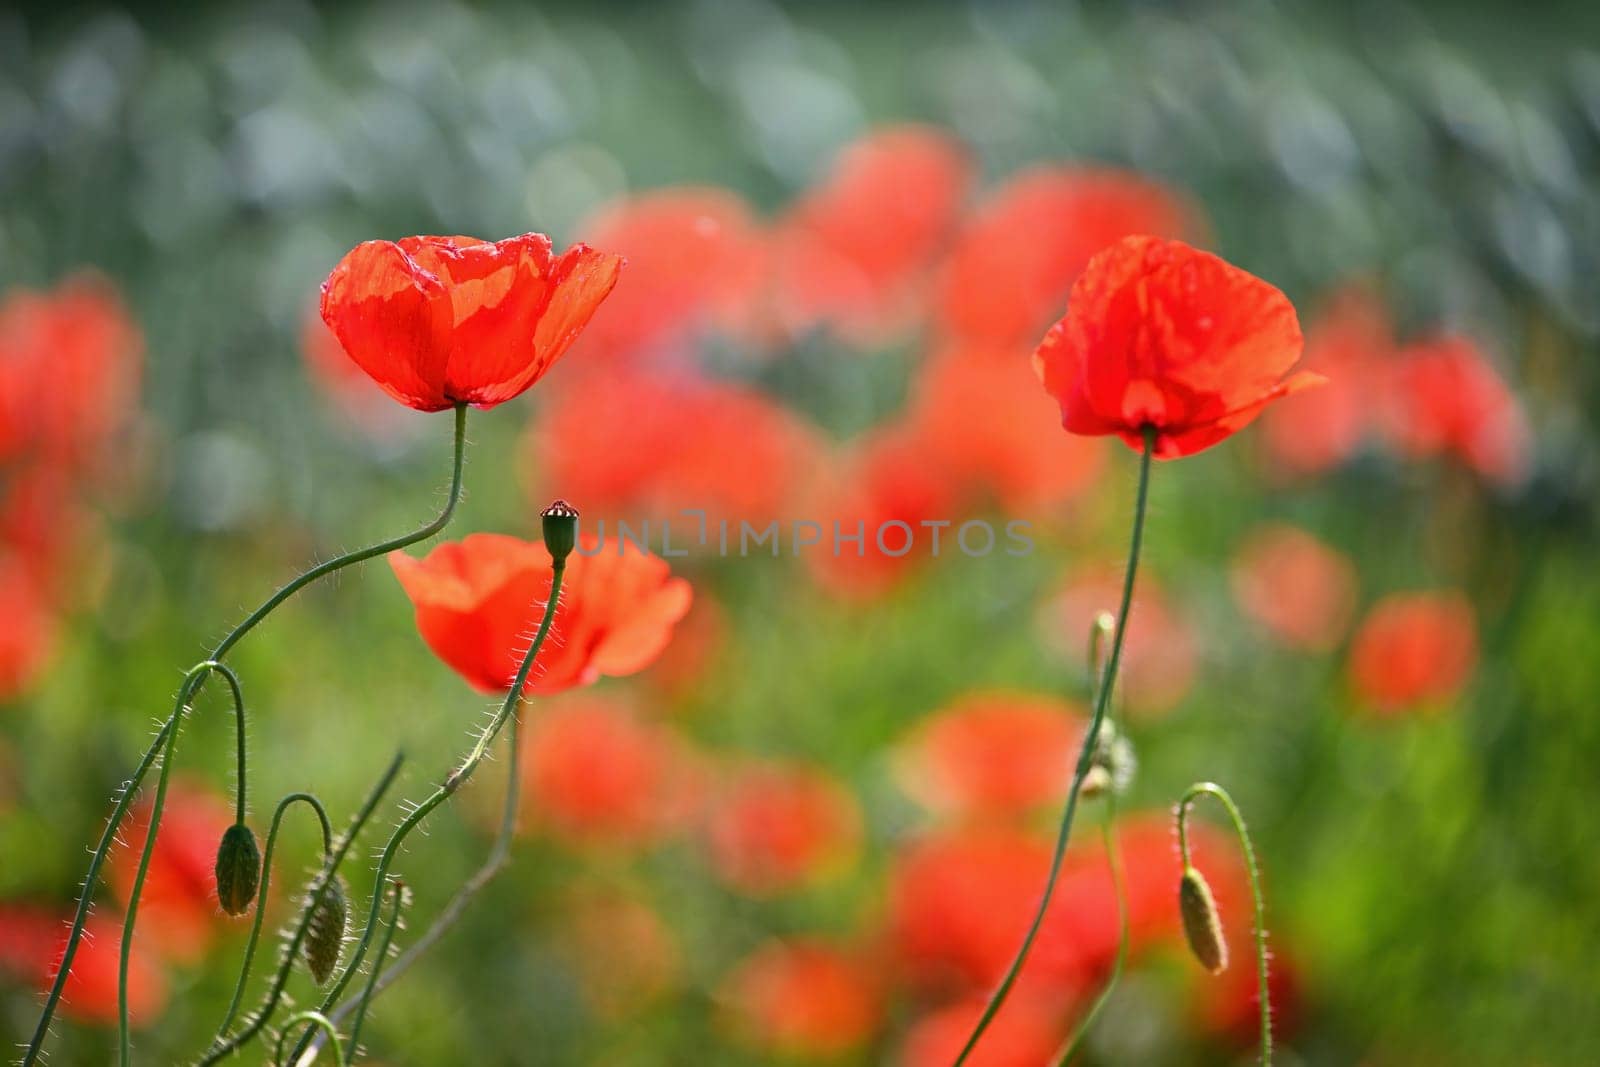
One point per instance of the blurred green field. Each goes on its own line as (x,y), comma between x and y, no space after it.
(1433,879)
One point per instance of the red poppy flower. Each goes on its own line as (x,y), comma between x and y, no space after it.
(873,504)
(1227,1006)
(982,419)
(803,998)
(1013,265)
(438,321)
(1160,334)
(993,754)
(1028,1032)
(1160,652)
(855,251)
(178,914)
(774,827)
(33,941)
(696,259)
(600,774)
(1448,399)
(347,386)
(625,955)
(1352,343)
(648,446)
(1414,649)
(478,600)
(69,370)
(1300,589)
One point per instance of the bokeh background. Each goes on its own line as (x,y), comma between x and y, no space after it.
(812,830)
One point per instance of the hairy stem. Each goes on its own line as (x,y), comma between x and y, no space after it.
(187,693)
(1212,789)
(1085,757)
(398,894)
(451,783)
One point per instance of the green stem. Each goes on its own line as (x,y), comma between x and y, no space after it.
(222,1048)
(499,853)
(453,781)
(261,895)
(1212,789)
(399,895)
(119,810)
(191,685)
(1085,757)
(318,1021)
(1114,860)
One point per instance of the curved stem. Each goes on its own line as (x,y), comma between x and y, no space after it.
(1212,789)
(451,783)
(318,1021)
(499,853)
(399,896)
(1085,757)
(120,809)
(1114,860)
(186,692)
(261,895)
(225,1047)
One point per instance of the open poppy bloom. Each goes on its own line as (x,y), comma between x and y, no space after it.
(1447,398)
(777,827)
(479,599)
(438,321)
(1159,334)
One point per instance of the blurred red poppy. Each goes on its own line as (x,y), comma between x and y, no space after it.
(1160,334)
(1160,651)
(1014,263)
(27,627)
(1352,344)
(69,370)
(479,599)
(438,321)
(983,420)
(599,774)
(1301,590)
(1028,1032)
(855,251)
(33,940)
(1227,1006)
(959,902)
(880,506)
(803,998)
(992,754)
(772,828)
(627,444)
(1447,398)
(1414,649)
(696,259)
(179,915)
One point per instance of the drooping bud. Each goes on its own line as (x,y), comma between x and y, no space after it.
(1201,923)
(560,530)
(325,933)
(238,869)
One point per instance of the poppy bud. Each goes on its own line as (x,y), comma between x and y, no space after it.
(238,869)
(325,933)
(1112,767)
(1201,923)
(560,530)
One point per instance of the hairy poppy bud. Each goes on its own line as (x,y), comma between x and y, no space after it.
(560,530)
(238,869)
(325,933)
(1201,923)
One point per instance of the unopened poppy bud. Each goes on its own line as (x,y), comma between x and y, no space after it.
(1201,923)
(238,869)
(560,530)
(1112,766)
(325,933)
